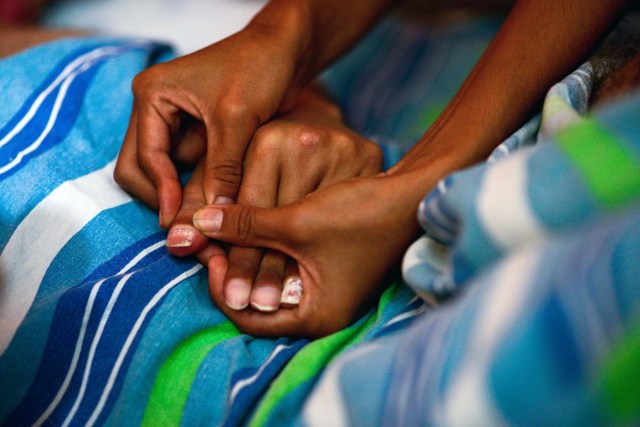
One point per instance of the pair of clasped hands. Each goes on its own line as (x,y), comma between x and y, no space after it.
(281,188)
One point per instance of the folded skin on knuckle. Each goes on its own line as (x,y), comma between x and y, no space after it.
(244,224)
(228,171)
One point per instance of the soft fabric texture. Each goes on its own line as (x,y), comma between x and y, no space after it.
(99,325)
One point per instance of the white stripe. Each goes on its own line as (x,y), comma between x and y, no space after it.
(94,346)
(503,206)
(500,308)
(141,255)
(248,381)
(134,331)
(87,57)
(85,320)
(76,355)
(50,123)
(42,234)
(409,314)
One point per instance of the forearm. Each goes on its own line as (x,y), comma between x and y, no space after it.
(318,31)
(539,43)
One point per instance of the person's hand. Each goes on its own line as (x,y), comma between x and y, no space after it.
(231,87)
(289,157)
(344,238)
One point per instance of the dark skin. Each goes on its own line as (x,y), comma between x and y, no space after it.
(345,236)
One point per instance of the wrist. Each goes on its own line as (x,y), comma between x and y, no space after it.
(288,24)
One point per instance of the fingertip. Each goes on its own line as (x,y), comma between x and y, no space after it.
(169,200)
(237,293)
(266,298)
(184,239)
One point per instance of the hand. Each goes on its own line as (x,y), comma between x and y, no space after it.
(288,158)
(344,238)
(231,87)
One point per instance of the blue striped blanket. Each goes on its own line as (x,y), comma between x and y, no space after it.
(99,325)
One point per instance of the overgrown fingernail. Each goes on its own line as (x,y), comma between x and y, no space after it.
(208,220)
(292,292)
(181,236)
(222,200)
(266,298)
(237,294)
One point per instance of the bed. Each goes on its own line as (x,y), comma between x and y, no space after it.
(520,305)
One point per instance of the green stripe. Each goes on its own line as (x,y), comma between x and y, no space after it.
(610,168)
(313,358)
(621,380)
(175,378)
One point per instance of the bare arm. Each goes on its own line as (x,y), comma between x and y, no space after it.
(539,43)
(347,236)
(320,30)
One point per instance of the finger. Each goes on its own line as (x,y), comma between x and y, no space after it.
(259,187)
(238,283)
(253,322)
(192,146)
(267,289)
(293,288)
(127,172)
(211,250)
(183,238)
(226,147)
(275,228)
(374,159)
(155,128)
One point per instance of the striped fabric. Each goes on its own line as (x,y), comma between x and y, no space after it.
(536,256)
(100,326)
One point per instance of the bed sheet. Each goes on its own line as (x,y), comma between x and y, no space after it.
(99,325)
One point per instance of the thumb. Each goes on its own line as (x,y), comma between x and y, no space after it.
(249,226)
(224,161)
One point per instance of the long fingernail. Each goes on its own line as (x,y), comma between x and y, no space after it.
(181,236)
(266,298)
(292,291)
(237,294)
(222,200)
(208,220)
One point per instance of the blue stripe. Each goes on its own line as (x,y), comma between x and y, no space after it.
(247,397)
(153,272)
(66,117)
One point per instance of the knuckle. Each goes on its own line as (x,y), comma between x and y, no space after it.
(244,224)
(122,175)
(374,156)
(234,109)
(152,83)
(309,136)
(228,171)
(298,225)
(267,139)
